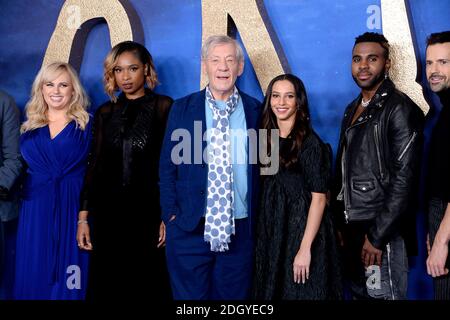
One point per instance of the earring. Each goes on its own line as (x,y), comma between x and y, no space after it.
(386,76)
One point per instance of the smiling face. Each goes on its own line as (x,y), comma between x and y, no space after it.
(283,100)
(438,66)
(222,67)
(129,74)
(369,65)
(58,92)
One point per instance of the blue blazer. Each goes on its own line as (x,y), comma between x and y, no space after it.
(10,159)
(183,187)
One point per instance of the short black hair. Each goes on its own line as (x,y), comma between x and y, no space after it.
(438,37)
(374,37)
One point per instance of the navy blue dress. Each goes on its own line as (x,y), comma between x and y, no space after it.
(49,264)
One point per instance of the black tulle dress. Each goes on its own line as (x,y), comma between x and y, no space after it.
(285,201)
(121,194)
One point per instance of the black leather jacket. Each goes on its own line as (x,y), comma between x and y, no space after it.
(381,165)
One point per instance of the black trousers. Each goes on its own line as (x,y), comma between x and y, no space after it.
(436,211)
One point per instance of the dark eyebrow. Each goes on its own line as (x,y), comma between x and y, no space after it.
(289,92)
(369,55)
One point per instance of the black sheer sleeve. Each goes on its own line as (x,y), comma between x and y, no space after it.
(86,197)
(163,105)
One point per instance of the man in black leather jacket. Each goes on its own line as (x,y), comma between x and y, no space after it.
(377,170)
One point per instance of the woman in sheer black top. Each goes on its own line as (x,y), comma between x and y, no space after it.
(120,193)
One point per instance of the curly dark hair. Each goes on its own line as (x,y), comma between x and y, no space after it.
(374,37)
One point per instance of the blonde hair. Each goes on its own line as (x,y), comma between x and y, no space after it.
(37,108)
(110,63)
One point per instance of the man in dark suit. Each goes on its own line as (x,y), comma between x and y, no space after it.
(10,165)
(438,186)
(208,181)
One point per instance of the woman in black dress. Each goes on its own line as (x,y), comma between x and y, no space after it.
(120,193)
(296,252)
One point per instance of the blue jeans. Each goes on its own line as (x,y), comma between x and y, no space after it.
(390,282)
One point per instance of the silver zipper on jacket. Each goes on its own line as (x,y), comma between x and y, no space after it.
(346,216)
(342,194)
(411,140)
(343,165)
(377,146)
(391,285)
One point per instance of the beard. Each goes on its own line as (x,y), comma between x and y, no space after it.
(371,83)
(441,86)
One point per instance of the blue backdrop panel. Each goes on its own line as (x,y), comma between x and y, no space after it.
(316,35)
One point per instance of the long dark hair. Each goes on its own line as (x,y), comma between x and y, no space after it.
(302,125)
